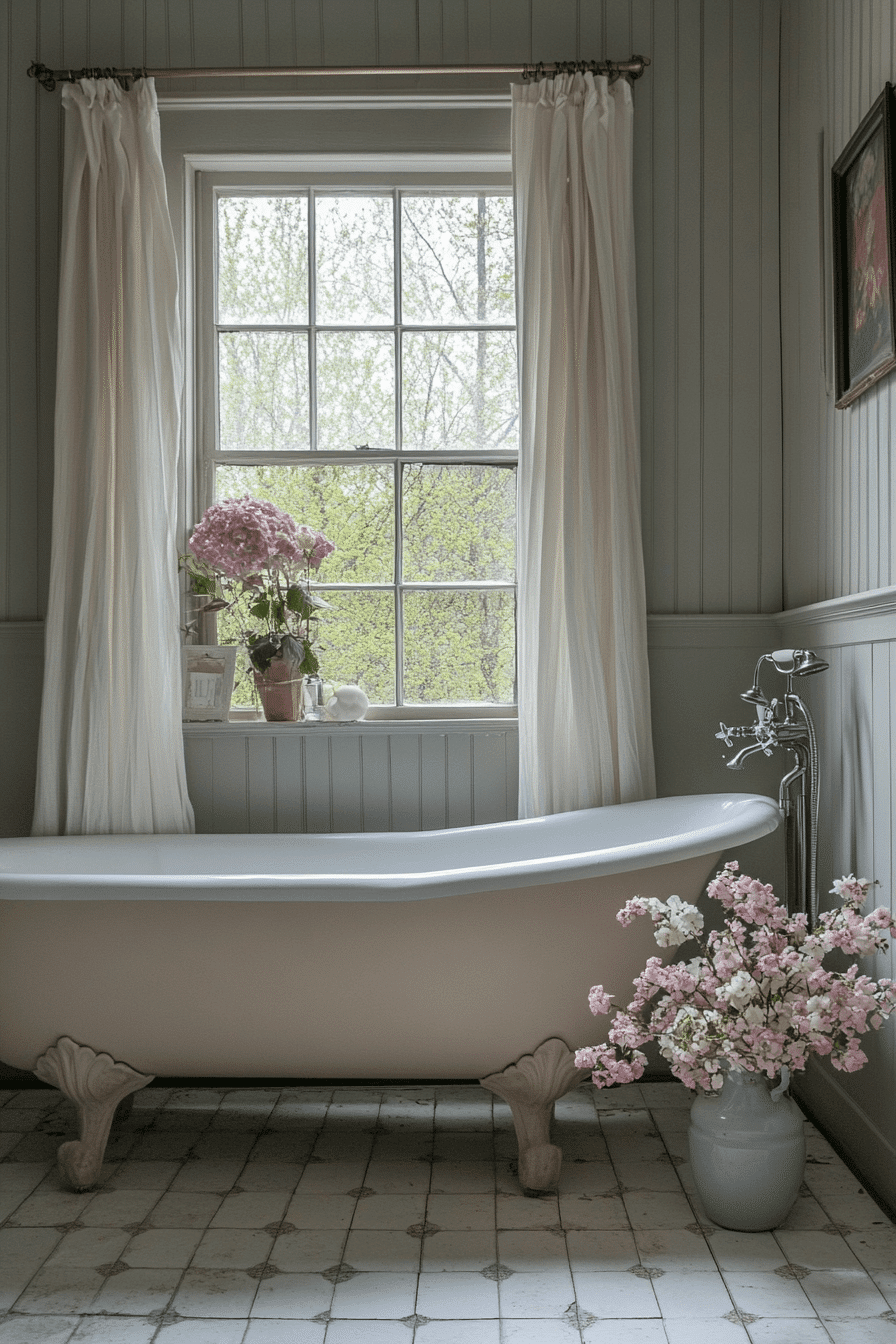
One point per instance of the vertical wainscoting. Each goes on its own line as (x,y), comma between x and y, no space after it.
(854,706)
(270,778)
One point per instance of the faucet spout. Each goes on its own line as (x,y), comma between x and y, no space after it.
(737,761)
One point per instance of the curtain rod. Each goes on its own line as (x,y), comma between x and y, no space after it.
(48,79)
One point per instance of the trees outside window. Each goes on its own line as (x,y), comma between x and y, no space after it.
(362,350)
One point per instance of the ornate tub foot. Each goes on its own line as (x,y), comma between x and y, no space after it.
(530,1087)
(96,1084)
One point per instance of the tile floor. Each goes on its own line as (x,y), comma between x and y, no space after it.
(367,1216)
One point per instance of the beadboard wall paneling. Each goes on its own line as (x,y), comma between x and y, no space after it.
(706,165)
(840,471)
(267,778)
(854,707)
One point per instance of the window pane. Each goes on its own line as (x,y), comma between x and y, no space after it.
(355,390)
(458,646)
(263,390)
(263,259)
(459,391)
(357,643)
(458,523)
(352,505)
(457,259)
(355,259)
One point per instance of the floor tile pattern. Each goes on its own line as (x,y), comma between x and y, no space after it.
(368,1215)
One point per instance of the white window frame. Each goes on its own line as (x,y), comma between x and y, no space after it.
(208,177)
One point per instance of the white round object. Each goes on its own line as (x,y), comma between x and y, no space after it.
(348,704)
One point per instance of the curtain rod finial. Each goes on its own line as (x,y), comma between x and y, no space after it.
(43,74)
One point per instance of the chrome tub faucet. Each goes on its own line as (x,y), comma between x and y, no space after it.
(784,723)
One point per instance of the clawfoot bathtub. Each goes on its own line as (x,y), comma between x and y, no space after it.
(442,954)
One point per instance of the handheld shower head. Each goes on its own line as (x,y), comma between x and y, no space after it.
(797,662)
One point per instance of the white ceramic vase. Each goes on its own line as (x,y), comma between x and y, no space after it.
(748,1153)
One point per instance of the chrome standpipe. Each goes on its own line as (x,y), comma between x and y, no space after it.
(785,724)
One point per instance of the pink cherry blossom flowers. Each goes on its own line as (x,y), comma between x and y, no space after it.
(757,997)
(249,556)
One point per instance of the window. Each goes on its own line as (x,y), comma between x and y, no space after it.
(359,353)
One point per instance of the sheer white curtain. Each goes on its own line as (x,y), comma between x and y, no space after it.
(584,697)
(111,754)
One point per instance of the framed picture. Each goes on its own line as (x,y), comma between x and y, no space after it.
(864,201)
(208,672)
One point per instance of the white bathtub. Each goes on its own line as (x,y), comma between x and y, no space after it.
(442,954)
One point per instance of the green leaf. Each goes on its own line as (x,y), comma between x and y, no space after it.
(260,608)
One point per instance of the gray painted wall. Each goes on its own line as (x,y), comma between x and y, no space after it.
(840,510)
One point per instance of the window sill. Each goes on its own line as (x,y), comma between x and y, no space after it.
(465,723)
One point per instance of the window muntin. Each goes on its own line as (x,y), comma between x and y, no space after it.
(368,386)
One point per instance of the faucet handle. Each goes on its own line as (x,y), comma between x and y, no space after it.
(725,735)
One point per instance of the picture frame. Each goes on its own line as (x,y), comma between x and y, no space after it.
(208,675)
(863,192)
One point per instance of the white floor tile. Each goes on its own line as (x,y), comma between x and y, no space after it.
(765,1294)
(587,1178)
(320,1211)
(59,1292)
(652,1211)
(137,1292)
(285,1332)
(602,1213)
(90,1246)
(375,1296)
(674,1249)
(625,1332)
(549,1293)
(808,1330)
(37,1330)
(209,1177)
(518,1211)
(162,1248)
(255,1209)
(331,1178)
(232,1248)
(293,1297)
(816,1250)
(447,1251)
(860,1330)
(472,1332)
(844,1292)
(389,1213)
(533,1332)
(612,1295)
(463,1178)
(116,1208)
(383,1251)
(397,1178)
(185,1210)
(460,1213)
(745,1250)
(692,1295)
(457,1296)
(308,1251)
(594,1250)
(874,1247)
(532,1251)
(215,1292)
(707,1332)
(368,1332)
(886,1282)
(202,1332)
(115,1330)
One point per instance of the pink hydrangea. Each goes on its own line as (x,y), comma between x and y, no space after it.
(239,537)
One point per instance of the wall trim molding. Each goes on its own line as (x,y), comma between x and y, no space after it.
(874,602)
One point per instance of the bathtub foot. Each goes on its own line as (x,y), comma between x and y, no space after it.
(96,1084)
(530,1087)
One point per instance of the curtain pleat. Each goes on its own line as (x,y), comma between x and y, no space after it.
(111,752)
(584,697)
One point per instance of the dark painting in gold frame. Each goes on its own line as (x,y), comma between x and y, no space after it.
(864,201)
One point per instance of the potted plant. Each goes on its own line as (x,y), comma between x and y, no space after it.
(750,1007)
(251,557)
